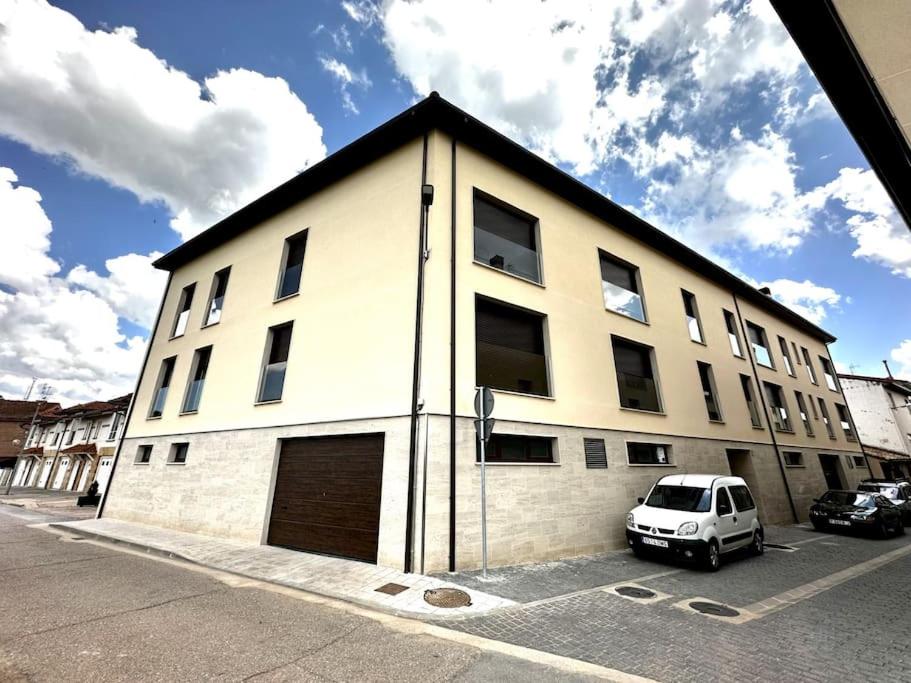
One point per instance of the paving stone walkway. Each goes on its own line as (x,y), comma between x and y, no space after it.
(330,576)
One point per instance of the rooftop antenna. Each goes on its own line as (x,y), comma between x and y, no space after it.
(28,394)
(888,371)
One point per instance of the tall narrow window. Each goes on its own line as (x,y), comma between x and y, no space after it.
(115,423)
(828,373)
(509,343)
(825,418)
(272,380)
(217,297)
(786,357)
(161,387)
(747,384)
(621,287)
(196,379)
(796,355)
(811,373)
(635,375)
(731,324)
(845,421)
(290,280)
(505,238)
(694,326)
(760,345)
(183,310)
(804,416)
(777,406)
(707,379)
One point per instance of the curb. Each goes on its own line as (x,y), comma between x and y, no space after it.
(170,555)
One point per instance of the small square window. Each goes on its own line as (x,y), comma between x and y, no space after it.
(143,455)
(178,454)
(793,459)
(859,461)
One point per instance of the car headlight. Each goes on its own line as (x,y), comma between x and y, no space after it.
(687,528)
(862,516)
(630,520)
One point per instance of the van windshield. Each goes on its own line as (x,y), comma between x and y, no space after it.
(686,498)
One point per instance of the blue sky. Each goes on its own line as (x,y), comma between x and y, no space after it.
(128,127)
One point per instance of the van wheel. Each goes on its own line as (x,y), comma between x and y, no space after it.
(757,547)
(713,557)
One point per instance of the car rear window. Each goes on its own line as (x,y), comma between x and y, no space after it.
(849,498)
(742,498)
(686,498)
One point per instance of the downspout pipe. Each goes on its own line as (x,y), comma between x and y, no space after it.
(142,372)
(765,410)
(416,372)
(452,364)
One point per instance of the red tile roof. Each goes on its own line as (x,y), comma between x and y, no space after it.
(18,411)
(35,450)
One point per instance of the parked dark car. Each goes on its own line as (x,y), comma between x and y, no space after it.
(896,490)
(857,510)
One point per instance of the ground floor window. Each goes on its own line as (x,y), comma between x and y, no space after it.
(648,453)
(143,455)
(859,461)
(793,459)
(517,448)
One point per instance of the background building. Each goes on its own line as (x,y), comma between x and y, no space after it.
(882,409)
(311,375)
(69,448)
(15,417)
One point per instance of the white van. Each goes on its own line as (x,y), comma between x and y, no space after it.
(695,517)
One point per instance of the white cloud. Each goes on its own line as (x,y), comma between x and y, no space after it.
(133,289)
(744,193)
(364,12)
(806,298)
(65,330)
(902,355)
(345,78)
(881,234)
(24,234)
(114,110)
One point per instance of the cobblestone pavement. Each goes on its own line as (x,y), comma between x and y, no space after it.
(856,629)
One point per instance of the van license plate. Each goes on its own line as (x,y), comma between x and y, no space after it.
(839,522)
(654,541)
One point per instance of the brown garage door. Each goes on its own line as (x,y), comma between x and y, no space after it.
(327,495)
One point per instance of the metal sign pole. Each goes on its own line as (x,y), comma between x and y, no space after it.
(483,496)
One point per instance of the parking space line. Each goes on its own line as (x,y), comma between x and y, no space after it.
(811,540)
(776,603)
(596,589)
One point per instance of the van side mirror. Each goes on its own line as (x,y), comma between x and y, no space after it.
(640,500)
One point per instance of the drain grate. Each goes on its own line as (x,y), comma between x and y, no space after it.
(634,592)
(776,546)
(447,597)
(714,609)
(392,588)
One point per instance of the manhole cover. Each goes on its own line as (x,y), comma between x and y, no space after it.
(392,588)
(633,592)
(714,609)
(447,597)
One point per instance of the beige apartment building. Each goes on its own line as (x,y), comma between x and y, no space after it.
(311,376)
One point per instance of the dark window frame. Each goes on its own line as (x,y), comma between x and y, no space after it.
(541,338)
(493,451)
(635,279)
(178,453)
(219,281)
(653,368)
(709,393)
(143,454)
(267,362)
(786,360)
(776,391)
(791,461)
(184,305)
(191,378)
(652,449)
(730,324)
(283,266)
(534,224)
(749,397)
(689,301)
(764,338)
(163,381)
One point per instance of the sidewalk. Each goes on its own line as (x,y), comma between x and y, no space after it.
(330,576)
(49,501)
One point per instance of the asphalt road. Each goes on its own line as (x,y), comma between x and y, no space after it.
(76,610)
